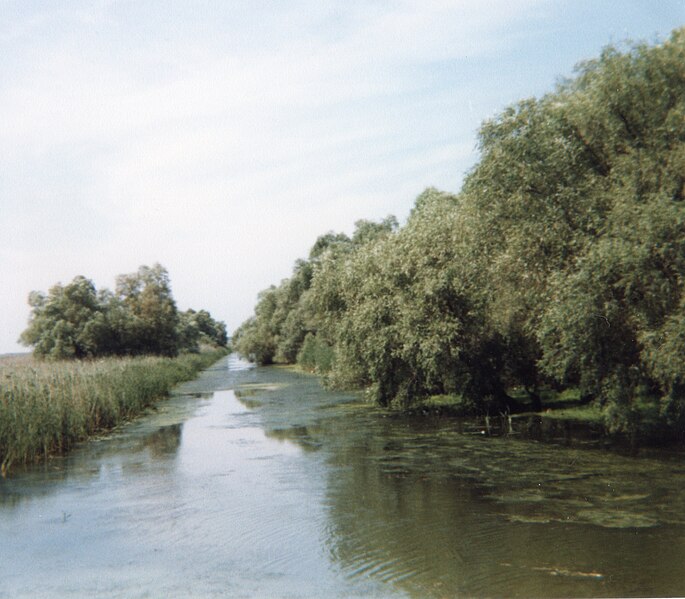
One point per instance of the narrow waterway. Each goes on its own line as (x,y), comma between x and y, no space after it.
(255,482)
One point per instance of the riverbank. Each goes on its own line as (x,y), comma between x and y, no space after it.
(47,407)
(564,418)
(259,482)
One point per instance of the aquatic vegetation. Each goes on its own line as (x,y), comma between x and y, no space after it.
(617,519)
(589,413)
(422,502)
(46,407)
(453,404)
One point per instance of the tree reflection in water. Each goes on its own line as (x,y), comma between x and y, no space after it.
(435,509)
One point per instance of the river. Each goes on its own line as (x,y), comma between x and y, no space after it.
(255,482)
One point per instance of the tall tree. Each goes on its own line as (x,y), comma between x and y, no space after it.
(68,322)
(153,326)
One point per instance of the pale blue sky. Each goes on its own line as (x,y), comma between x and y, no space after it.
(221,138)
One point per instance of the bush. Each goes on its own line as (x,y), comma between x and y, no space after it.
(315,355)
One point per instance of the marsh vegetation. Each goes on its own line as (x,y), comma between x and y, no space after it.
(47,407)
(99,358)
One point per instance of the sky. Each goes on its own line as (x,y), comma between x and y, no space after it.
(221,138)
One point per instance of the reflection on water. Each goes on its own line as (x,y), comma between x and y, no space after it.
(431,509)
(440,514)
(193,500)
(166,440)
(254,482)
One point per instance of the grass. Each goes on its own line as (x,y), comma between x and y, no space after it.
(452,404)
(565,405)
(46,407)
(588,413)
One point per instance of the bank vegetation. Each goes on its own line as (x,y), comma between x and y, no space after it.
(140,317)
(100,357)
(48,406)
(557,270)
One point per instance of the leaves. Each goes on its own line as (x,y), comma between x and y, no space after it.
(77,321)
(561,262)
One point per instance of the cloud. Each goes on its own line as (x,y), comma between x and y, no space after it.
(219,142)
(221,139)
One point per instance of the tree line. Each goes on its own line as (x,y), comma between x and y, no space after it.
(560,264)
(139,317)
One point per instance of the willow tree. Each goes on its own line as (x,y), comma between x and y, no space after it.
(561,262)
(68,322)
(578,197)
(615,333)
(153,317)
(284,315)
(140,317)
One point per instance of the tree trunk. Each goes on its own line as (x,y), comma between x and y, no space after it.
(536,400)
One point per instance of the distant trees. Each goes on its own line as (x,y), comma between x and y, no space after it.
(68,322)
(560,263)
(285,315)
(152,323)
(139,317)
(199,328)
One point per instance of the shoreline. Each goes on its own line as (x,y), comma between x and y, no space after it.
(554,426)
(48,407)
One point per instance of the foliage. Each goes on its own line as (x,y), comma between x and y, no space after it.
(152,315)
(614,312)
(315,354)
(68,322)
(197,329)
(561,263)
(454,405)
(140,317)
(285,315)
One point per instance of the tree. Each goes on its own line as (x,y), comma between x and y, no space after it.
(196,328)
(77,321)
(560,263)
(256,337)
(67,323)
(153,325)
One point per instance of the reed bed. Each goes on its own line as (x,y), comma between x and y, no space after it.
(46,407)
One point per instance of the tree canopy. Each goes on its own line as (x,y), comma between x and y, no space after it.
(139,317)
(560,263)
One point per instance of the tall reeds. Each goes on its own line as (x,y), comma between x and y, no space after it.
(46,407)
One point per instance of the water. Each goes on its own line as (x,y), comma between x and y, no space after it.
(254,482)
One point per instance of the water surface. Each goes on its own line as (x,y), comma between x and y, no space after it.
(254,482)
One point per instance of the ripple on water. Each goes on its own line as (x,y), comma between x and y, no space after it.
(292,491)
